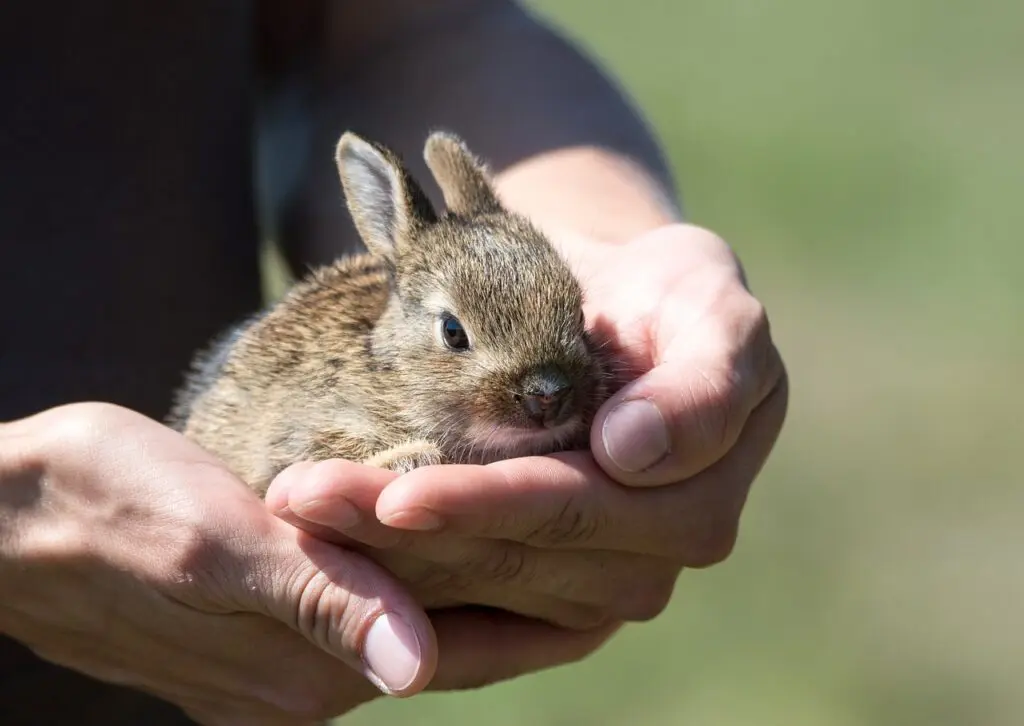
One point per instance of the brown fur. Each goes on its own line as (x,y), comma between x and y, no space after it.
(351,362)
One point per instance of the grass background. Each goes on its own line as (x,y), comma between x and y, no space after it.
(865,159)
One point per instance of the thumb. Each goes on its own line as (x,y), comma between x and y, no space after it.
(688,412)
(345,604)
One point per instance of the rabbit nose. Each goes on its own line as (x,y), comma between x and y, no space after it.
(541,407)
(545,400)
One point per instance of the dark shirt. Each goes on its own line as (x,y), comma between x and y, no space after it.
(128,237)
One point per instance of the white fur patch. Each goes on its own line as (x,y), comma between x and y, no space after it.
(492,442)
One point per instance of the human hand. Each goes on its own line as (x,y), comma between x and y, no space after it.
(564,538)
(131,555)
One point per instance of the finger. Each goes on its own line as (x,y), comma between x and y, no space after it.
(220,672)
(572,588)
(277,503)
(436,587)
(566,501)
(688,412)
(345,604)
(514,645)
(521,579)
(232,715)
(333,500)
(217,713)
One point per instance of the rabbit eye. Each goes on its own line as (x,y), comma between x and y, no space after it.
(453,333)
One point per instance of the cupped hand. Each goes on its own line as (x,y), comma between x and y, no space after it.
(575,538)
(705,378)
(129,554)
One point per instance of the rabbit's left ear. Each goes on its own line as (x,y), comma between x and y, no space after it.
(463,178)
(386,203)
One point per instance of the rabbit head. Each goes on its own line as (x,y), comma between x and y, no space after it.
(484,331)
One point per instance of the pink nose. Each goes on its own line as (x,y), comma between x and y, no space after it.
(542,407)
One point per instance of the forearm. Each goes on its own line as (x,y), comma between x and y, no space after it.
(586,195)
(567,147)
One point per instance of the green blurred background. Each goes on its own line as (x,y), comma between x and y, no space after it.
(865,158)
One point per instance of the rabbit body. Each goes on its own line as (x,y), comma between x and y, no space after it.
(457,338)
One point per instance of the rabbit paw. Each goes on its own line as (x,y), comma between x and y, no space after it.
(406,457)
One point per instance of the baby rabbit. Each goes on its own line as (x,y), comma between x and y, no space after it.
(459,338)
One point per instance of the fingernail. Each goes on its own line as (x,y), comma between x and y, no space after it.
(635,435)
(419,519)
(337,512)
(392,653)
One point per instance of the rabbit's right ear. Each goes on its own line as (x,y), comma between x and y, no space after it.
(386,203)
(463,178)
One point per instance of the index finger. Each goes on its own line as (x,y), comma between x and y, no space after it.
(567,501)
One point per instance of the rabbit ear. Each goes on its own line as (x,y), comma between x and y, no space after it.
(386,203)
(463,179)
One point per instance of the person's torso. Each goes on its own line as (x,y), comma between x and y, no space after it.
(127,228)
(127,236)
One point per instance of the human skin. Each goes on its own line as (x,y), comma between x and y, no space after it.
(584,540)
(130,554)
(576,539)
(209,590)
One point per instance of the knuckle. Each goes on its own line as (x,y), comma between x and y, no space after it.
(570,525)
(723,394)
(313,708)
(712,544)
(757,313)
(437,587)
(508,564)
(81,429)
(315,610)
(766,361)
(302,699)
(334,602)
(584,617)
(648,600)
(55,546)
(195,556)
(310,704)
(719,398)
(484,675)
(78,425)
